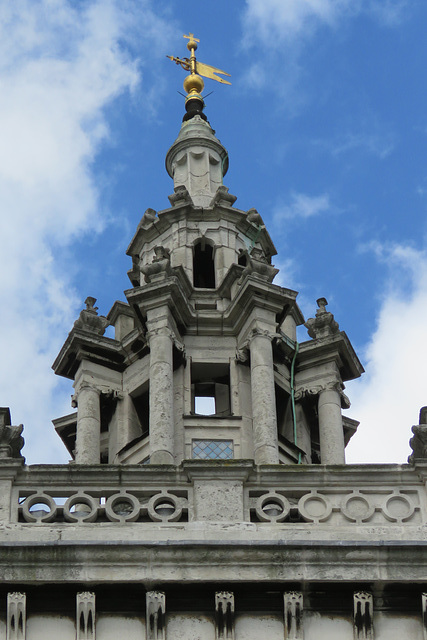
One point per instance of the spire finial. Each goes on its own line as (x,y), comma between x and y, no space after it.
(193,84)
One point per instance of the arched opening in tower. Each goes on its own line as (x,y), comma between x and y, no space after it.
(203,266)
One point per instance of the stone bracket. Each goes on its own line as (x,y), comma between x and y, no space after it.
(16,616)
(224,615)
(363,615)
(85,615)
(155,618)
(293,608)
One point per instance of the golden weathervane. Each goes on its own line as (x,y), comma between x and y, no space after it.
(193,84)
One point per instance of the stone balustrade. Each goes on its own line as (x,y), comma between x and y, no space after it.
(368,500)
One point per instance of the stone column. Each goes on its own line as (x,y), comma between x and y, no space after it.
(88,436)
(331,433)
(266,450)
(161,396)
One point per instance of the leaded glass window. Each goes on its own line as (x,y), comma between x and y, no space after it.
(213,449)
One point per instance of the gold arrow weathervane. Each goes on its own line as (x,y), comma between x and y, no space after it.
(193,84)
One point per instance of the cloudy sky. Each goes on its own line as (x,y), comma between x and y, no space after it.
(326,127)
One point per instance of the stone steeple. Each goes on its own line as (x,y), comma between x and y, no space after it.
(205,362)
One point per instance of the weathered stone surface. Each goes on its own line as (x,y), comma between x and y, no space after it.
(89,320)
(418,442)
(11,440)
(324,324)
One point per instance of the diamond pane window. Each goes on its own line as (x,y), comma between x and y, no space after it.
(213,449)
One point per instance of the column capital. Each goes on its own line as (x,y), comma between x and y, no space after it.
(257,332)
(167,333)
(313,390)
(159,331)
(84,386)
(242,351)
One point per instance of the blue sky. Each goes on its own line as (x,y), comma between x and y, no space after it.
(326,128)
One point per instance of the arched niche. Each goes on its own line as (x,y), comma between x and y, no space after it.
(204,264)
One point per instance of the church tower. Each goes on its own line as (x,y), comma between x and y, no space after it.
(207,496)
(205,362)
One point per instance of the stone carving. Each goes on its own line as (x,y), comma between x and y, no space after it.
(323,325)
(312,391)
(222,197)
(224,615)
(254,217)
(155,618)
(160,266)
(257,264)
(16,616)
(134,273)
(180,196)
(293,608)
(89,320)
(263,333)
(149,216)
(363,616)
(418,442)
(85,615)
(11,440)
(165,331)
(242,354)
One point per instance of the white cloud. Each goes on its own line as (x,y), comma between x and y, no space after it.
(302,206)
(375,144)
(388,397)
(289,21)
(61,64)
(280,29)
(275,21)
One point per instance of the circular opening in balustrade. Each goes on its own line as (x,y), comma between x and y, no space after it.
(80,509)
(122,507)
(165,508)
(39,509)
(272,509)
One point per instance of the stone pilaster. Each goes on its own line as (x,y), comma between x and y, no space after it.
(161,396)
(263,398)
(88,436)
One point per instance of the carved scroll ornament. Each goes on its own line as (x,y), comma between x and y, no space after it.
(311,391)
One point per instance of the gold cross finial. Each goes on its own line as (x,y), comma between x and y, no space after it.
(193,84)
(191,37)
